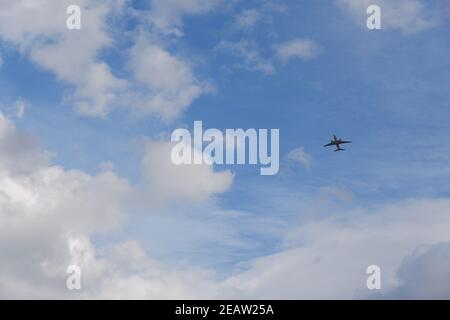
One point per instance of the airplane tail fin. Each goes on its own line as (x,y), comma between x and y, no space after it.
(340,149)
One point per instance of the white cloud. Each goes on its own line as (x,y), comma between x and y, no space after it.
(136,276)
(20,153)
(49,215)
(304,49)
(43,208)
(328,258)
(299,156)
(181,182)
(407,16)
(170,83)
(39,30)
(425,274)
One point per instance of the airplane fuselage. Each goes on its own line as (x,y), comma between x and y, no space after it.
(337,142)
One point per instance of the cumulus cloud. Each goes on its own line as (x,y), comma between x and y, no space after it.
(20,152)
(170,83)
(304,49)
(407,16)
(128,273)
(299,155)
(39,31)
(43,209)
(49,214)
(328,258)
(425,274)
(168,181)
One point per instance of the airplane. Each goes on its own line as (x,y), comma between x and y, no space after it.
(337,142)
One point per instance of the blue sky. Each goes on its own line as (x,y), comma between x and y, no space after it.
(386,90)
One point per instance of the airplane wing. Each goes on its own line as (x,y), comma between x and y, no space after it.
(345,142)
(330,144)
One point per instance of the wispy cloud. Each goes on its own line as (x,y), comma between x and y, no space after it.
(253,59)
(299,156)
(250,18)
(248,51)
(304,49)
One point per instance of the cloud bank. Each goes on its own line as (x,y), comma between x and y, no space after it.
(49,215)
